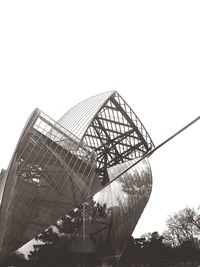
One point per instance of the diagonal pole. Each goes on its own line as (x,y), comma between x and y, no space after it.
(147,155)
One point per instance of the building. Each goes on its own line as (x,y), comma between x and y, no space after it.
(90,167)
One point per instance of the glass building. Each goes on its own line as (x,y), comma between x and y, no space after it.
(89,169)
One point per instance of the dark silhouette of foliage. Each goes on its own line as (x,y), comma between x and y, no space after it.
(151,248)
(17,259)
(57,238)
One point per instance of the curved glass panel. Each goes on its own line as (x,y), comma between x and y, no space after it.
(50,173)
(2,183)
(103,224)
(79,117)
(109,126)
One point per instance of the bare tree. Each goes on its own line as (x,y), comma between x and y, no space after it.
(183,226)
(193,217)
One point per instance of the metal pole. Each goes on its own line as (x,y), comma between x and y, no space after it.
(146,155)
(83,258)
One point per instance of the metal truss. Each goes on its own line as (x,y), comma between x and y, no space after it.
(117,135)
(57,165)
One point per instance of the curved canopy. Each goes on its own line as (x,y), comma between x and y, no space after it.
(57,165)
(78,118)
(51,171)
(109,126)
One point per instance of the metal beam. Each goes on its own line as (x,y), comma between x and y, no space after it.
(118,106)
(115,122)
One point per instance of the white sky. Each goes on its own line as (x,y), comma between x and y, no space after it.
(54,54)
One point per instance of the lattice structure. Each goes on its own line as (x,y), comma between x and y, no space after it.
(51,172)
(110,215)
(113,131)
(57,165)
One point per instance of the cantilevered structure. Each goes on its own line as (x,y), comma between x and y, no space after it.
(69,168)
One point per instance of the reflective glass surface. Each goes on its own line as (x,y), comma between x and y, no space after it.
(51,172)
(2,183)
(104,223)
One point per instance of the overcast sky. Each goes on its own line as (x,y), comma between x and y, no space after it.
(54,54)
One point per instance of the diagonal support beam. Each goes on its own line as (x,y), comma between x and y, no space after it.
(119,108)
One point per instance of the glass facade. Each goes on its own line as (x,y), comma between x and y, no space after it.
(78,169)
(104,223)
(51,172)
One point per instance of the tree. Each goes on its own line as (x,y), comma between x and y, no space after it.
(193,216)
(153,240)
(183,227)
(56,247)
(148,249)
(16,259)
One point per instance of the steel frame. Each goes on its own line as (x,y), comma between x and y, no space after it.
(116,135)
